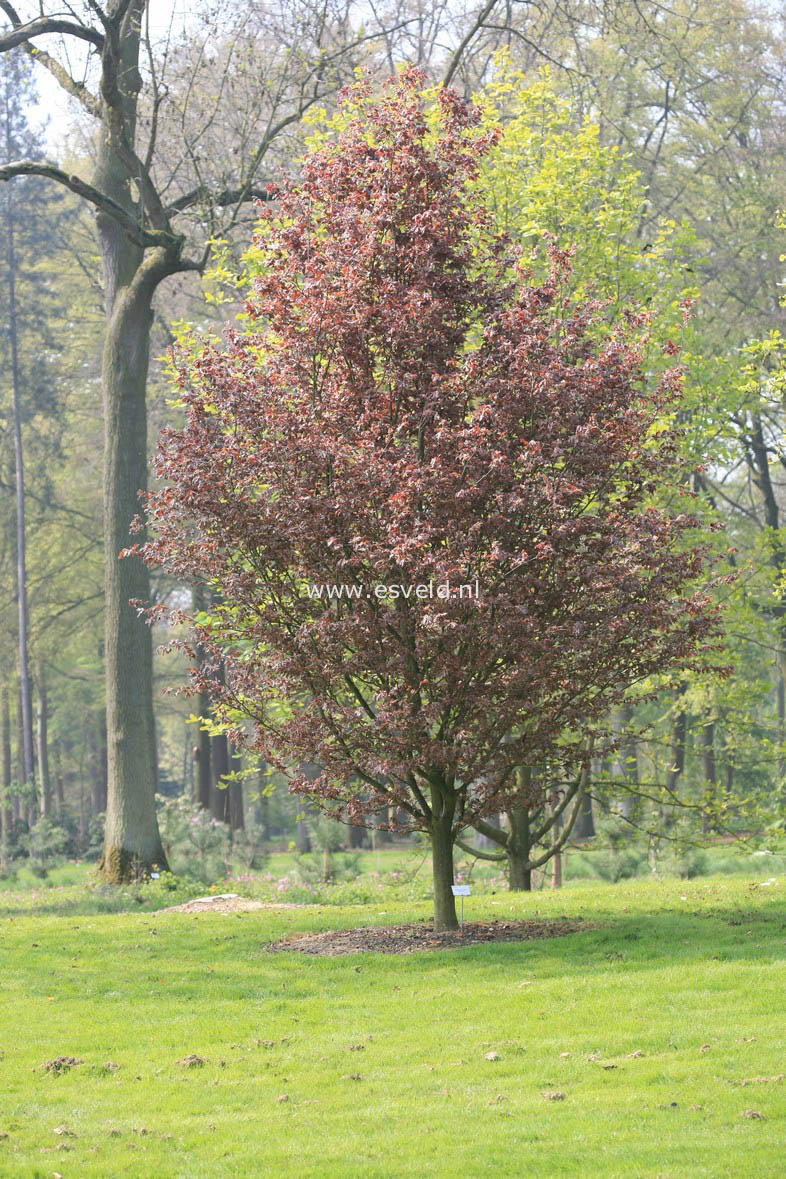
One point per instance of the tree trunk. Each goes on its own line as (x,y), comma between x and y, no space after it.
(43,747)
(585,824)
(132,843)
(59,792)
(219,799)
(26,758)
(202,748)
(20,801)
(236,817)
(710,769)
(302,837)
(262,808)
(6,809)
(518,851)
(781,698)
(442,862)
(98,797)
(556,859)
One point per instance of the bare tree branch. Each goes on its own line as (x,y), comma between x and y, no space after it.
(77,90)
(222,197)
(105,204)
(458,53)
(43,26)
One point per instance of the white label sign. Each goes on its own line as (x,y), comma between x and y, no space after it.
(460,890)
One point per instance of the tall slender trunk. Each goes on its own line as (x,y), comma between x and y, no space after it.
(96,769)
(43,745)
(262,809)
(442,810)
(556,859)
(236,818)
(302,837)
(202,747)
(220,761)
(26,759)
(59,792)
(781,698)
(6,809)
(710,769)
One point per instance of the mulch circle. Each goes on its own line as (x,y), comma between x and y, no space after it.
(412,939)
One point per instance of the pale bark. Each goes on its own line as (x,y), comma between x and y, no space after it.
(43,746)
(26,759)
(6,809)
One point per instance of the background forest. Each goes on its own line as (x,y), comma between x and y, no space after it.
(649,141)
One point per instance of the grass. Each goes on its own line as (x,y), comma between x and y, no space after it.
(687,974)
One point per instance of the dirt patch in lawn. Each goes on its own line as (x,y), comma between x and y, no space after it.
(412,939)
(228,902)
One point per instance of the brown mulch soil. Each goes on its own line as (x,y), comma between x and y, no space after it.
(411,939)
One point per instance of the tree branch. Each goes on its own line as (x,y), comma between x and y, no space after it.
(224,196)
(105,204)
(42,26)
(497,857)
(495,834)
(455,60)
(77,90)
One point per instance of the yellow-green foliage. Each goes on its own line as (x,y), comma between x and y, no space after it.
(550,175)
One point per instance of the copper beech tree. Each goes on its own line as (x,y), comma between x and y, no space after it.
(400,414)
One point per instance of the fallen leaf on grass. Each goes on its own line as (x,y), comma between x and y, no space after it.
(192,1061)
(283,1097)
(491,1056)
(763,1080)
(63,1131)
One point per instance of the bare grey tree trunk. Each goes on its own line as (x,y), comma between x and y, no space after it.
(43,745)
(27,766)
(6,810)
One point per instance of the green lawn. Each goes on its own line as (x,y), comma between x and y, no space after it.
(662,1026)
